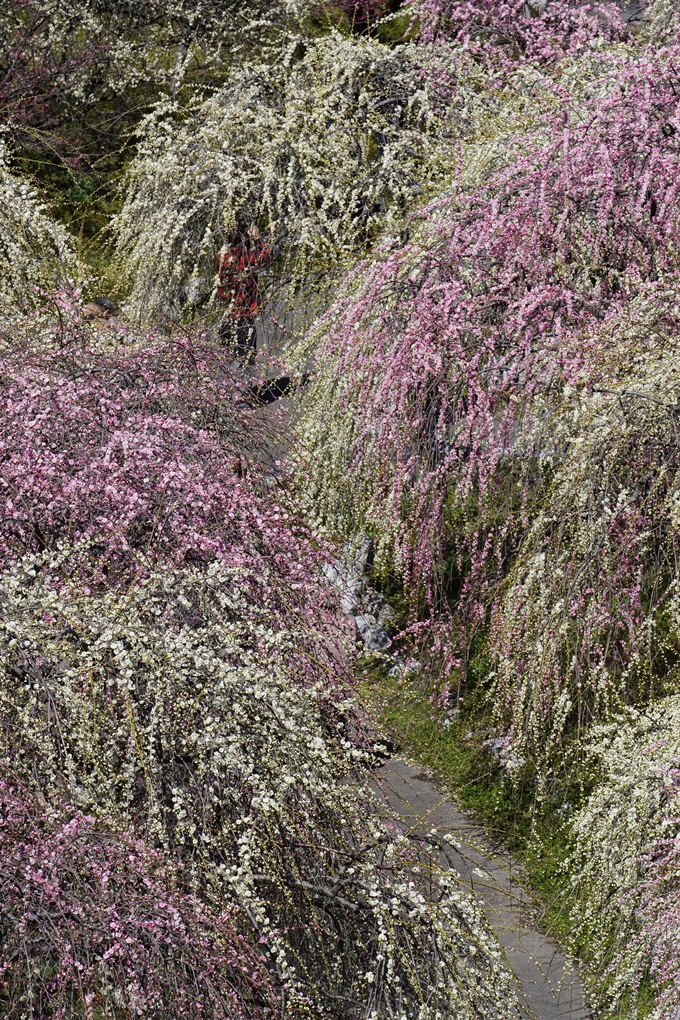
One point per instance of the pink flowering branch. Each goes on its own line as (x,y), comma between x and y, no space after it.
(505,34)
(96,922)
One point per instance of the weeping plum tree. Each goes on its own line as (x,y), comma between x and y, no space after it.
(588,621)
(625,861)
(78,76)
(61,64)
(443,356)
(37,256)
(173,704)
(325,148)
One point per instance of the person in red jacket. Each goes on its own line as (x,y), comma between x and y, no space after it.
(238,288)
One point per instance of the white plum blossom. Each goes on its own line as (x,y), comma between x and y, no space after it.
(37,255)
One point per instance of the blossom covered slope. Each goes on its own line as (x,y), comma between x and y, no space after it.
(186,823)
(496,402)
(443,362)
(174,707)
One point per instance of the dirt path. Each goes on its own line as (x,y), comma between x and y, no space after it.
(548,984)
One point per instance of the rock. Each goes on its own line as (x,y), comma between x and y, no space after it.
(357,554)
(451,718)
(400,668)
(387,616)
(369,609)
(330,573)
(374,637)
(348,603)
(365,623)
(377,640)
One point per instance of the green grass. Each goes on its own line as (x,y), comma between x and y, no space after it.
(534,830)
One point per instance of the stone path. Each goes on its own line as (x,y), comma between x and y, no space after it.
(548,984)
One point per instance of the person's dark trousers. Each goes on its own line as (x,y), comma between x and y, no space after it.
(241,336)
(270,391)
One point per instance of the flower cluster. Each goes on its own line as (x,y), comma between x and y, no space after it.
(148,447)
(505,34)
(625,864)
(37,256)
(96,922)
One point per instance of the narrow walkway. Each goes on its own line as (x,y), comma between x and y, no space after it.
(548,984)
